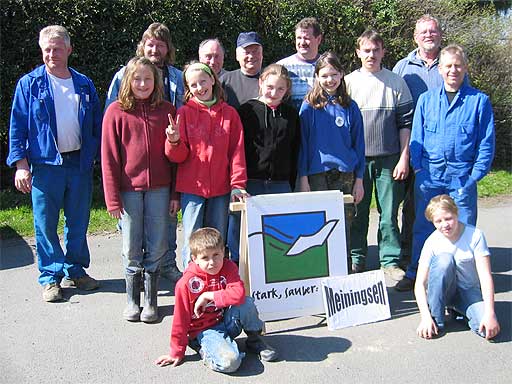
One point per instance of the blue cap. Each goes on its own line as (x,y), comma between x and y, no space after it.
(247,38)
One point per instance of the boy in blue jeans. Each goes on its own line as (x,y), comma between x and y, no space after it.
(211,309)
(455,265)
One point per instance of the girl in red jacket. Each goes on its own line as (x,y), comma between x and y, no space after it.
(206,141)
(137,180)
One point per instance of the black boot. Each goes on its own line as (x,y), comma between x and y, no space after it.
(132,309)
(150,312)
(257,345)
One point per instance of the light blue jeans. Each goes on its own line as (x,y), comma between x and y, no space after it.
(425,188)
(169,259)
(444,291)
(254,188)
(218,346)
(56,187)
(199,212)
(145,224)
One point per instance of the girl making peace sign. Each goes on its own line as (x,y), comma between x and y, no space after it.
(207,142)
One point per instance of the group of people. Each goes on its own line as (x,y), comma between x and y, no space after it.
(198,139)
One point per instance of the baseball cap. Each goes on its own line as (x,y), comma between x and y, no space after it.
(247,38)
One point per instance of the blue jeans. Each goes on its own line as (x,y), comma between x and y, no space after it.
(55,187)
(199,212)
(425,188)
(218,347)
(254,188)
(169,259)
(145,222)
(443,291)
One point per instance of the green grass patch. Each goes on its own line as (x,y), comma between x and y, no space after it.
(495,183)
(16,208)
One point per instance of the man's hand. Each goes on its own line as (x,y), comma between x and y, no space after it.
(23,180)
(173,130)
(164,360)
(23,176)
(401,170)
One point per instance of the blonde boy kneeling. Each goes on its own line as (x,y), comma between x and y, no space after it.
(211,309)
(455,265)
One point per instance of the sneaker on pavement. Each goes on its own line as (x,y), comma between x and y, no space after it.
(84,283)
(394,271)
(405,285)
(257,345)
(52,292)
(172,273)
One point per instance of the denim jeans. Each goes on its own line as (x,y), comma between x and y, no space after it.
(254,188)
(55,187)
(145,222)
(199,212)
(425,188)
(218,347)
(378,172)
(169,259)
(443,291)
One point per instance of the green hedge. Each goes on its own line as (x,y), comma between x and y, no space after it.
(105,34)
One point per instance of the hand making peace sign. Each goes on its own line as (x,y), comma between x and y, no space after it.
(173,129)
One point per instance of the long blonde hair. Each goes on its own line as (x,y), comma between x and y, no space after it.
(126,98)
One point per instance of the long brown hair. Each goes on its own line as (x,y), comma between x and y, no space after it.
(126,98)
(316,96)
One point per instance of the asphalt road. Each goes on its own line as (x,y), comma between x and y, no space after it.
(84,339)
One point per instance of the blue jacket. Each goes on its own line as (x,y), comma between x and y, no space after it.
(176,89)
(454,143)
(418,76)
(33,130)
(331,138)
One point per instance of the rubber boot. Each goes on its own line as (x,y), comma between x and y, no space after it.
(132,309)
(150,312)
(257,345)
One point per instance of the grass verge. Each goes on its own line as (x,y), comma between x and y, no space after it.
(16,208)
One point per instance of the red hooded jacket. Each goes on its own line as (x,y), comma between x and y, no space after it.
(210,154)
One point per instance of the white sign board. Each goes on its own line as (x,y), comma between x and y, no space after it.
(356,299)
(295,240)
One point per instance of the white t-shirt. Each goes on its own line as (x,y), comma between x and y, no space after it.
(66,111)
(470,245)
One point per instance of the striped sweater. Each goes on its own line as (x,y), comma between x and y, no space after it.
(386,105)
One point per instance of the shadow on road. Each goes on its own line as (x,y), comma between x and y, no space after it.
(15,252)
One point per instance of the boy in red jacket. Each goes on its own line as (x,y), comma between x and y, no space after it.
(211,309)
